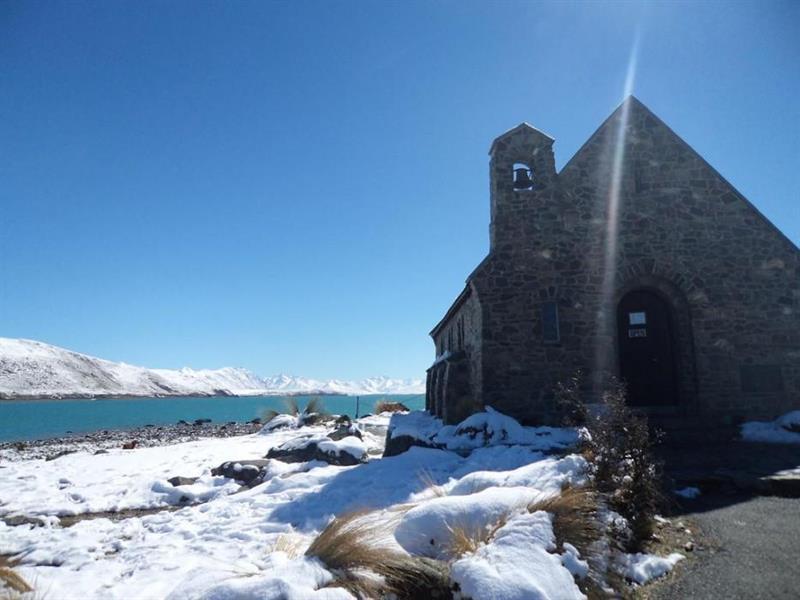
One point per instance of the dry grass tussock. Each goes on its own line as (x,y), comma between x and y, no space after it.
(288,544)
(354,547)
(12,585)
(574,517)
(384,405)
(466,540)
(429,483)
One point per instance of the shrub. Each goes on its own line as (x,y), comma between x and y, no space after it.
(623,466)
(569,402)
(314,411)
(385,405)
(354,548)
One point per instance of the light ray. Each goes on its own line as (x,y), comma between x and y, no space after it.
(606,312)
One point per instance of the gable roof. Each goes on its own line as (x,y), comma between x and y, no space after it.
(522,127)
(634,104)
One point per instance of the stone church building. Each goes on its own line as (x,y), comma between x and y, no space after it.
(637,260)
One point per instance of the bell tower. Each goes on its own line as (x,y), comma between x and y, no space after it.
(521,166)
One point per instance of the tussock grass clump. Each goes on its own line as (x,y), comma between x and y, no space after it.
(385,405)
(429,483)
(12,584)
(466,540)
(574,517)
(354,548)
(288,544)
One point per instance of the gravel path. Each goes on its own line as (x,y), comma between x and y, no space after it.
(752,553)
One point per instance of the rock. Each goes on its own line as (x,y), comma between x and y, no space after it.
(130,445)
(178,480)
(401,443)
(306,448)
(201,421)
(182,422)
(101,451)
(255,421)
(344,431)
(688,546)
(246,471)
(59,454)
(341,419)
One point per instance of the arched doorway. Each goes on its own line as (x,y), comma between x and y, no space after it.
(646,357)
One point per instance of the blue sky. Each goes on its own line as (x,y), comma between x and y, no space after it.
(303,187)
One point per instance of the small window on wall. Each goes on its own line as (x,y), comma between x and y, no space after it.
(550,329)
(637,318)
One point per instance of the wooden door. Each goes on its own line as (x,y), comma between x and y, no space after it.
(644,333)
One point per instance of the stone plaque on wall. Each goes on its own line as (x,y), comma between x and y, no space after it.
(761,378)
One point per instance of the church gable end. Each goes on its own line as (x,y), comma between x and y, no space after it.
(694,277)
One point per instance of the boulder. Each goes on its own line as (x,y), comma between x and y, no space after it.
(178,481)
(345,452)
(344,431)
(245,471)
(130,445)
(401,443)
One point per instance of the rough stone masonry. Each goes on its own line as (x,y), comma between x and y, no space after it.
(637,260)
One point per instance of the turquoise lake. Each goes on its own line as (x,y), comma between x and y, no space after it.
(39,419)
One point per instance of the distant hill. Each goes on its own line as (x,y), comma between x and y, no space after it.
(30,369)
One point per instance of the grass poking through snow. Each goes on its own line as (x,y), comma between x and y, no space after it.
(355,548)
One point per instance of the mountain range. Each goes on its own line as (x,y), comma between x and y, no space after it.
(31,369)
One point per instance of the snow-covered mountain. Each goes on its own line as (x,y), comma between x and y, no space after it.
(30,369)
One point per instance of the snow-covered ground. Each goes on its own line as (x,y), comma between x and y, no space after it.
(233,542)
(783,430)
(35,369)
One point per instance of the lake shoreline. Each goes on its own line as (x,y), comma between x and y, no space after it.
(218,394)
(97,442)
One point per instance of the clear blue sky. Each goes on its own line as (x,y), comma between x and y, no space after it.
(303,187)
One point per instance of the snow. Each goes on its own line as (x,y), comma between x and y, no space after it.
(214,539)
(775,432)
(426,529)
(481,429)
(642,568)
(518,564)
(688,492)
(34,369)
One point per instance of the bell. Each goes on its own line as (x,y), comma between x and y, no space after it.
(522,179)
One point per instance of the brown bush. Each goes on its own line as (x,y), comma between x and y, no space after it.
(569,402)
(623,465)
(384,405)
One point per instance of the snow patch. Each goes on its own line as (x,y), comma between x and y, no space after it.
(517,564)
(642,568)
(783,430)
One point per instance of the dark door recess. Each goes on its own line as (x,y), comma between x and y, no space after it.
(646,361)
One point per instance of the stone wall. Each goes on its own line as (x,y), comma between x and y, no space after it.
(732,280)
(458,363)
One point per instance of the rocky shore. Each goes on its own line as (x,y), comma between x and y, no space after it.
(139,437)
